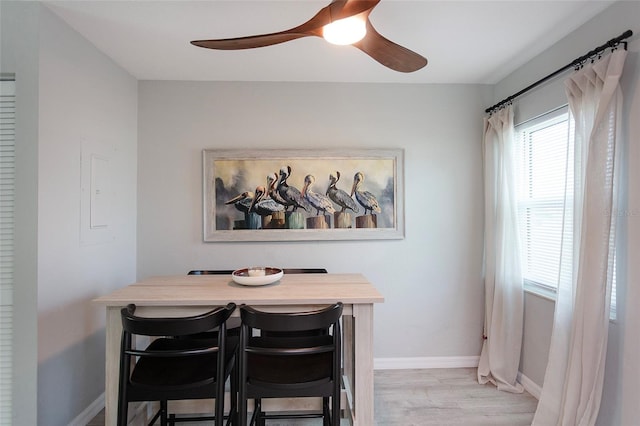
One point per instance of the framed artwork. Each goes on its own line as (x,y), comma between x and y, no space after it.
(292,195)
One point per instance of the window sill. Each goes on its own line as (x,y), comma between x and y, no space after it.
(539,291)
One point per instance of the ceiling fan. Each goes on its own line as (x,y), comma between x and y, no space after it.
(338,13)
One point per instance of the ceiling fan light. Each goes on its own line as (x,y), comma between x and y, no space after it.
(345,31)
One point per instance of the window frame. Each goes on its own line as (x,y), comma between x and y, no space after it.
(537,288)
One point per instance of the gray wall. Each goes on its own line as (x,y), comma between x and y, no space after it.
(72,102)
(431,280)
(539,311)
(19,56)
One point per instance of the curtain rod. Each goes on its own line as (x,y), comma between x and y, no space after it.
(614,42)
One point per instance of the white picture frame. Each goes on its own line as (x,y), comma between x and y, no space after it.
(227,174)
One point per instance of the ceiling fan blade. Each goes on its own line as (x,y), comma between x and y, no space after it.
(338,9)
(388,53)
(249,42)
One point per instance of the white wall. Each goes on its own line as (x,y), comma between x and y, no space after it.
(610,23)
(72,100)
(19,56)
(431,280)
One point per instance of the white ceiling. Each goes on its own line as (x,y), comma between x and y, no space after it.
(465,41)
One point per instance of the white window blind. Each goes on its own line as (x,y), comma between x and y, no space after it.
(7,173)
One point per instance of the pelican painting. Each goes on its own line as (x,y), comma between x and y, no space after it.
(339,196)
(298,195)
(289,194)
(320,202)
(366,199)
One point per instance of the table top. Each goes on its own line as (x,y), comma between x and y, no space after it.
(198,290)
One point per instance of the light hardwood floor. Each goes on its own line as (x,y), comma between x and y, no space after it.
(446,397)
(439,397)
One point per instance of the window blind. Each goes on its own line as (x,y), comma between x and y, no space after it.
(7,188)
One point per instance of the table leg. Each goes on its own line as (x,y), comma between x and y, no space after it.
(112,365)
(363,381)
(347,364)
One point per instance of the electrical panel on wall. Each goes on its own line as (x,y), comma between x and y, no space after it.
(96,193)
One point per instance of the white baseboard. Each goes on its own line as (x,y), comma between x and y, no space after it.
(529,385)
(425,362)
(89,413)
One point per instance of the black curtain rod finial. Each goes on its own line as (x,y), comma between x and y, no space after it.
(576,64)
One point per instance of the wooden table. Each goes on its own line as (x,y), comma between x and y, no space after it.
(191,294)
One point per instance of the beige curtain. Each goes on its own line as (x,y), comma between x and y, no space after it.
(573,381)
(500,356)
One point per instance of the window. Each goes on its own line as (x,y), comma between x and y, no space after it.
(544,165)
(543,146)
